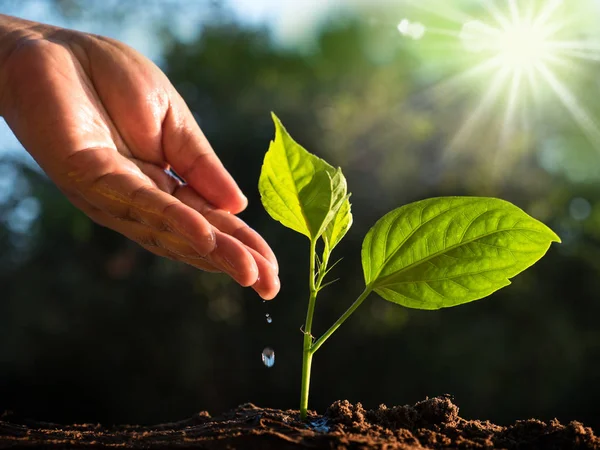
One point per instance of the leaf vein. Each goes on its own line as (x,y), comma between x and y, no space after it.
(416,263)
(413,231)
(450,278)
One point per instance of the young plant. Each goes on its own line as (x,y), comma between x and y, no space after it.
(431,254)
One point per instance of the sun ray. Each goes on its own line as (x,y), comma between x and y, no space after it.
(550,30)
(503,157)
(575,45)
(450,86)
(508,125)
(514,12)
(478,113)
(524,48)
(529,14)
(560,60)
(443,32)
(545,15)
(441,10)
(493,10)
(569,101)
(576,49)
(583,55)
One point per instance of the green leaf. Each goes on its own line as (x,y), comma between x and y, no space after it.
(297,188)
(340,218)
(315,200)
(446,251)
(339,225)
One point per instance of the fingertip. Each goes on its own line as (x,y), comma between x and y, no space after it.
(243,200)
(236,204)
(275,265)
(267,285)
(271,293)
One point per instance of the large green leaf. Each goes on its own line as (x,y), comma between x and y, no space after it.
(297,188)
(447,251)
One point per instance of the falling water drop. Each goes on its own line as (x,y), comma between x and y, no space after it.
(268,357)
(269,318)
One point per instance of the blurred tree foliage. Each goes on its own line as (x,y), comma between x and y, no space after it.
(92,328)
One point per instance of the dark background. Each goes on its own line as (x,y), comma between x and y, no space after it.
(93,328)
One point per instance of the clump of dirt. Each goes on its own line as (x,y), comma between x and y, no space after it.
(435,424)
(430,424)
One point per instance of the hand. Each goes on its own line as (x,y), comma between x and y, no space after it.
(105,124)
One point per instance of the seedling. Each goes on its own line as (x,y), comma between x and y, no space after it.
(431,254)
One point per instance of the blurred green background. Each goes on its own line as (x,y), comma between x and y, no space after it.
(93,328)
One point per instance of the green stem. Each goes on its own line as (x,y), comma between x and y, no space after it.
(307,354)
(340,321)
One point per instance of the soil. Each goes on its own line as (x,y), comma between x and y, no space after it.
(430,424)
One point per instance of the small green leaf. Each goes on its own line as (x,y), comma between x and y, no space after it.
(443,252)
(339,225)
(297,188)
(315,201)
(339,220)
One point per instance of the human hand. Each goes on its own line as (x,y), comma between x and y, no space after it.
(105,124)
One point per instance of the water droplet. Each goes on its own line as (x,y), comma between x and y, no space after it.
(269,318)
(268,357)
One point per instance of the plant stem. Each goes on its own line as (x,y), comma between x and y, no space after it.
(340,321)
(307,354)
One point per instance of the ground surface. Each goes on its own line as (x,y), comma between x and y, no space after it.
(430,424)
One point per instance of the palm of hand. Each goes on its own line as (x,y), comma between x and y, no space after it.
(105,124)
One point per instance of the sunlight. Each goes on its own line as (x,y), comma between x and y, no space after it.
(479,113)
(521,43)
(509,115)
(522,48)
(583,119)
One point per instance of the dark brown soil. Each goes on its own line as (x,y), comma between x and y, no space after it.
(430,424)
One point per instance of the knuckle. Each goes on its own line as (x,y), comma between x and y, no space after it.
(28,52)
(169,207)
(240,230)
(128,214)
(28,61)
(164,223)
(138,192)
(195,162)
(79,161)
